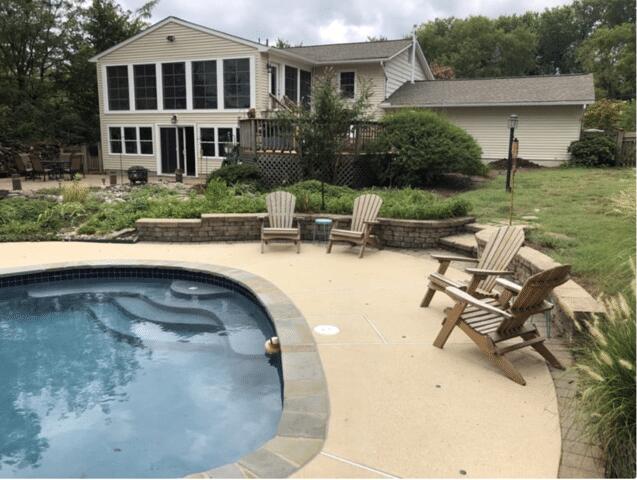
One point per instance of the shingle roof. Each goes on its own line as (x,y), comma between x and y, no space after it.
(549,89)
(342,52)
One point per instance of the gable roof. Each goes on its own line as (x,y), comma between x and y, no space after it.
(533,90)
(184,23)
(350,52)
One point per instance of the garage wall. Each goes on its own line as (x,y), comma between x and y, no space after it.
(544,132)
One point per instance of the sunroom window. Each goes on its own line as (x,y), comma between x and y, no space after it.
(236,83)
(117,87)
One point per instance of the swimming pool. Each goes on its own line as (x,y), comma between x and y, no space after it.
(132,373)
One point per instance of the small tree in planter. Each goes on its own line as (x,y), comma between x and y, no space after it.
(324,127)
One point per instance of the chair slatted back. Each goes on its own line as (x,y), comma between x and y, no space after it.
(76,162)
(36,163)
(534,292)
(366,208)
(503,245)
(23,162)
(280,209)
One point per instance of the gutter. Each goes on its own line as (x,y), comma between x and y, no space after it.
(388,105)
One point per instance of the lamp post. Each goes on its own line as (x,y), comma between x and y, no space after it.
(512,123)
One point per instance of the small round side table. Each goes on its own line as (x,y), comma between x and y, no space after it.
(322,227)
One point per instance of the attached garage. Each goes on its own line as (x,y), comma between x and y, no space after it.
(549,109)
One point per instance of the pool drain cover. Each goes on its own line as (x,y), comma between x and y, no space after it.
(327,330)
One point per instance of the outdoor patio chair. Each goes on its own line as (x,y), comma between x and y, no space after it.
(366,208)
(489,322)
(39,170)
(280,219)
(75,165)
(23,165)
(501,248)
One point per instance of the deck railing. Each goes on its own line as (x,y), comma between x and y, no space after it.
(271,135)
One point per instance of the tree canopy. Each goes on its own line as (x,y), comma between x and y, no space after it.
(48,87)
(596,36)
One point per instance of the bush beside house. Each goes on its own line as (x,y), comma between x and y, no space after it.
(593,150)
(426,145)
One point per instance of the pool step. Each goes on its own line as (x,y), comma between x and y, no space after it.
(60,289)
(158,312)
(186,289)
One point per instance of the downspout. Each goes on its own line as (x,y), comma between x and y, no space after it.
(413,54)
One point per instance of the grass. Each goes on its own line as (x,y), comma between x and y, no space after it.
(585,217)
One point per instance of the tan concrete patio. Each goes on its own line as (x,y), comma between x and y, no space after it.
(399,406)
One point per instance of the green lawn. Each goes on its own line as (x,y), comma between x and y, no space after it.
(585,217)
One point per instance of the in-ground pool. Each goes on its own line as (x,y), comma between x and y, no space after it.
(132,376)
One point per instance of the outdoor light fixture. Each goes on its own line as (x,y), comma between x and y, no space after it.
(173,119)
(512,123)
(269,67)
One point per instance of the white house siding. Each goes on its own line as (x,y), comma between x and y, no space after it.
(190,44)
(366,73)
(544,132)
(398,71)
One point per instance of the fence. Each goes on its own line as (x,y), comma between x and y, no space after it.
(626,149)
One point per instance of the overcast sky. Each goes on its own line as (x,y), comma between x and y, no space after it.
(329,21)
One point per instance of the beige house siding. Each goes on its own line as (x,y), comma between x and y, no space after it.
(264,84)
(189,44)
(366,73)
(398,71)
(544,132)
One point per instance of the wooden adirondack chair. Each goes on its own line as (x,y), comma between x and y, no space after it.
(366,208)
(498,253)
(491,321)
(280,218)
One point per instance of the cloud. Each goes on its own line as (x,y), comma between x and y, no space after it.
(329,21)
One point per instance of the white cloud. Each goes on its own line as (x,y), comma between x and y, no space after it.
(329,21)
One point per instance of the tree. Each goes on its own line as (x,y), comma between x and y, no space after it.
(558,37)
(324,130)
(609,53)
(605,115)
(442,72)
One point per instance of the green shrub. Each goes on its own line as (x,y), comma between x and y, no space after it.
(607,385)
(627,119)
(427,145)
(234,174)
(593,150)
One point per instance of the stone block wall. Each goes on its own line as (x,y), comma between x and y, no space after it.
(247,226)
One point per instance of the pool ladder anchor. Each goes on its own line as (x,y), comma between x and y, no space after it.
(272,346)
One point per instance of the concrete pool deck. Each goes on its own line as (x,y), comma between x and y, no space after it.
(399,406)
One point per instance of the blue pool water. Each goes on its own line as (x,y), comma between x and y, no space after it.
(132,378)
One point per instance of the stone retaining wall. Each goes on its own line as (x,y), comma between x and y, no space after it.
(246,226)
(573,303)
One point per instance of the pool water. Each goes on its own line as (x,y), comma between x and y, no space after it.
(132,378)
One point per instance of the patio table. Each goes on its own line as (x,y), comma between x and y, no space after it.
(57,167)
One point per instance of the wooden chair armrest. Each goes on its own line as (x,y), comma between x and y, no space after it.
(509,285)
(371,222)
(453,258)
(462,296)
(485,272)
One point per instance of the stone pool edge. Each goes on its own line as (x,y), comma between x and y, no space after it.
(304,419)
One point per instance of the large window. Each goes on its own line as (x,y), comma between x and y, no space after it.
(145,87)
(218,141)
(117,87)
(146,140)
(130,140)
(291,87)
(204,85)
(236,83)
(174,85)
(207,138)
(348,84)
(115,139)
(306,87)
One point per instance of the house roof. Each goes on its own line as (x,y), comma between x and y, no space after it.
(347,52)
(532,90)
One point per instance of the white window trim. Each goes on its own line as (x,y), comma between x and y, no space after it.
(216,127)
(160,90)
(338,80)
(277,94)
(121,131)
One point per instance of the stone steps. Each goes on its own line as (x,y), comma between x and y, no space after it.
(464,243)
